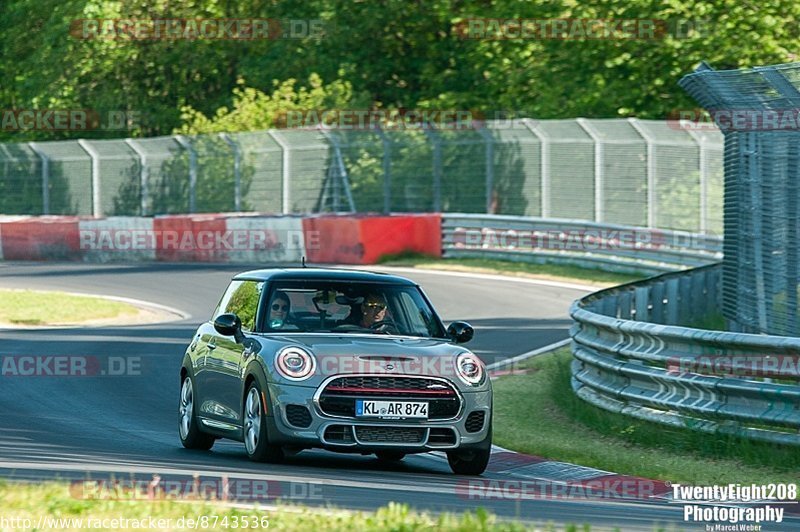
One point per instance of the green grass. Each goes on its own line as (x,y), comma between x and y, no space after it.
(537,413)
(30,501)
(713,322)
(548,271)
(27,307)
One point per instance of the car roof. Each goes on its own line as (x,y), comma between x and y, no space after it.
(326,274)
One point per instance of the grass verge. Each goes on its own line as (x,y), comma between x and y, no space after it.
(28,307)
(556,272)
(28,503)
(537,413)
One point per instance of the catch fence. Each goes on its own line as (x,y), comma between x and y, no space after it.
(633,172)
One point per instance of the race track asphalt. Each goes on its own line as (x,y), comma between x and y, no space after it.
(125,426)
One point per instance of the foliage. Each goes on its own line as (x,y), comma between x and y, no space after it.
(255,110)
(244,303)
(395,53)
(56,505)
(391,54)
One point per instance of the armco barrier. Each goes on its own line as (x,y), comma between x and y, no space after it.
(611,247)
(633,354)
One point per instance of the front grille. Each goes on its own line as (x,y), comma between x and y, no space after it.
(475,421)
(442,436)
(339,434)
(380,385)
(339,396)
(390,434)
(298,416)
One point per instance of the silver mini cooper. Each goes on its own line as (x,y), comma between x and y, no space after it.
(348,361)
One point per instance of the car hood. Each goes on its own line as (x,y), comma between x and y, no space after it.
(359,354)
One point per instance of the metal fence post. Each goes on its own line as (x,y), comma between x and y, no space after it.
(285,175)
(237,171)
(651,170)
(183,141)
(335,176)
(489,140)
(750,153)
(97,207)
(437,168)
(387,170)
(703,175)
(144,175)
(337,173)
(598,168)
(545,165)
(45,176)
(5,161)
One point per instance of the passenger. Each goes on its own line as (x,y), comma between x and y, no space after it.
(279,310)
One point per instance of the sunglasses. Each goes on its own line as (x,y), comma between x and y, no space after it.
(375,306)
(276,306)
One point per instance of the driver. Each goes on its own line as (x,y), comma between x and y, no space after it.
(373,310)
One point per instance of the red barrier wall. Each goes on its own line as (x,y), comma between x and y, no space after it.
(386,235)
(199,238)
(41,238)
(338,240)
(190,238)
(364,239)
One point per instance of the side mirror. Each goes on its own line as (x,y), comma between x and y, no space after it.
(460,331)
(229,325)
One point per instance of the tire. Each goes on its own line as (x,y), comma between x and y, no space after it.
(256,437)
(390,456)
(188,428)
(473,460)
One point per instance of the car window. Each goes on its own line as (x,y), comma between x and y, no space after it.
(419,317)
(241,298)
(355,307)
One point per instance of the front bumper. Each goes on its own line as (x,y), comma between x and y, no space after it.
(356,435)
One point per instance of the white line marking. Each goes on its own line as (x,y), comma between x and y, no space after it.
(529,354)
(180,315)
(487,276)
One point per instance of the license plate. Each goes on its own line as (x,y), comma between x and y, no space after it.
(391,409)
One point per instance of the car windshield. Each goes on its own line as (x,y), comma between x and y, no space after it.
(349,307)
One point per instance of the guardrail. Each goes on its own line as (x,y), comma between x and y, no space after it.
(612,247)
(634,354)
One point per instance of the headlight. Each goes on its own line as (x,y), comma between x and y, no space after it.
(295,363)
(469,369)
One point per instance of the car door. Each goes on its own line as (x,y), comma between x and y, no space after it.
(224,358)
